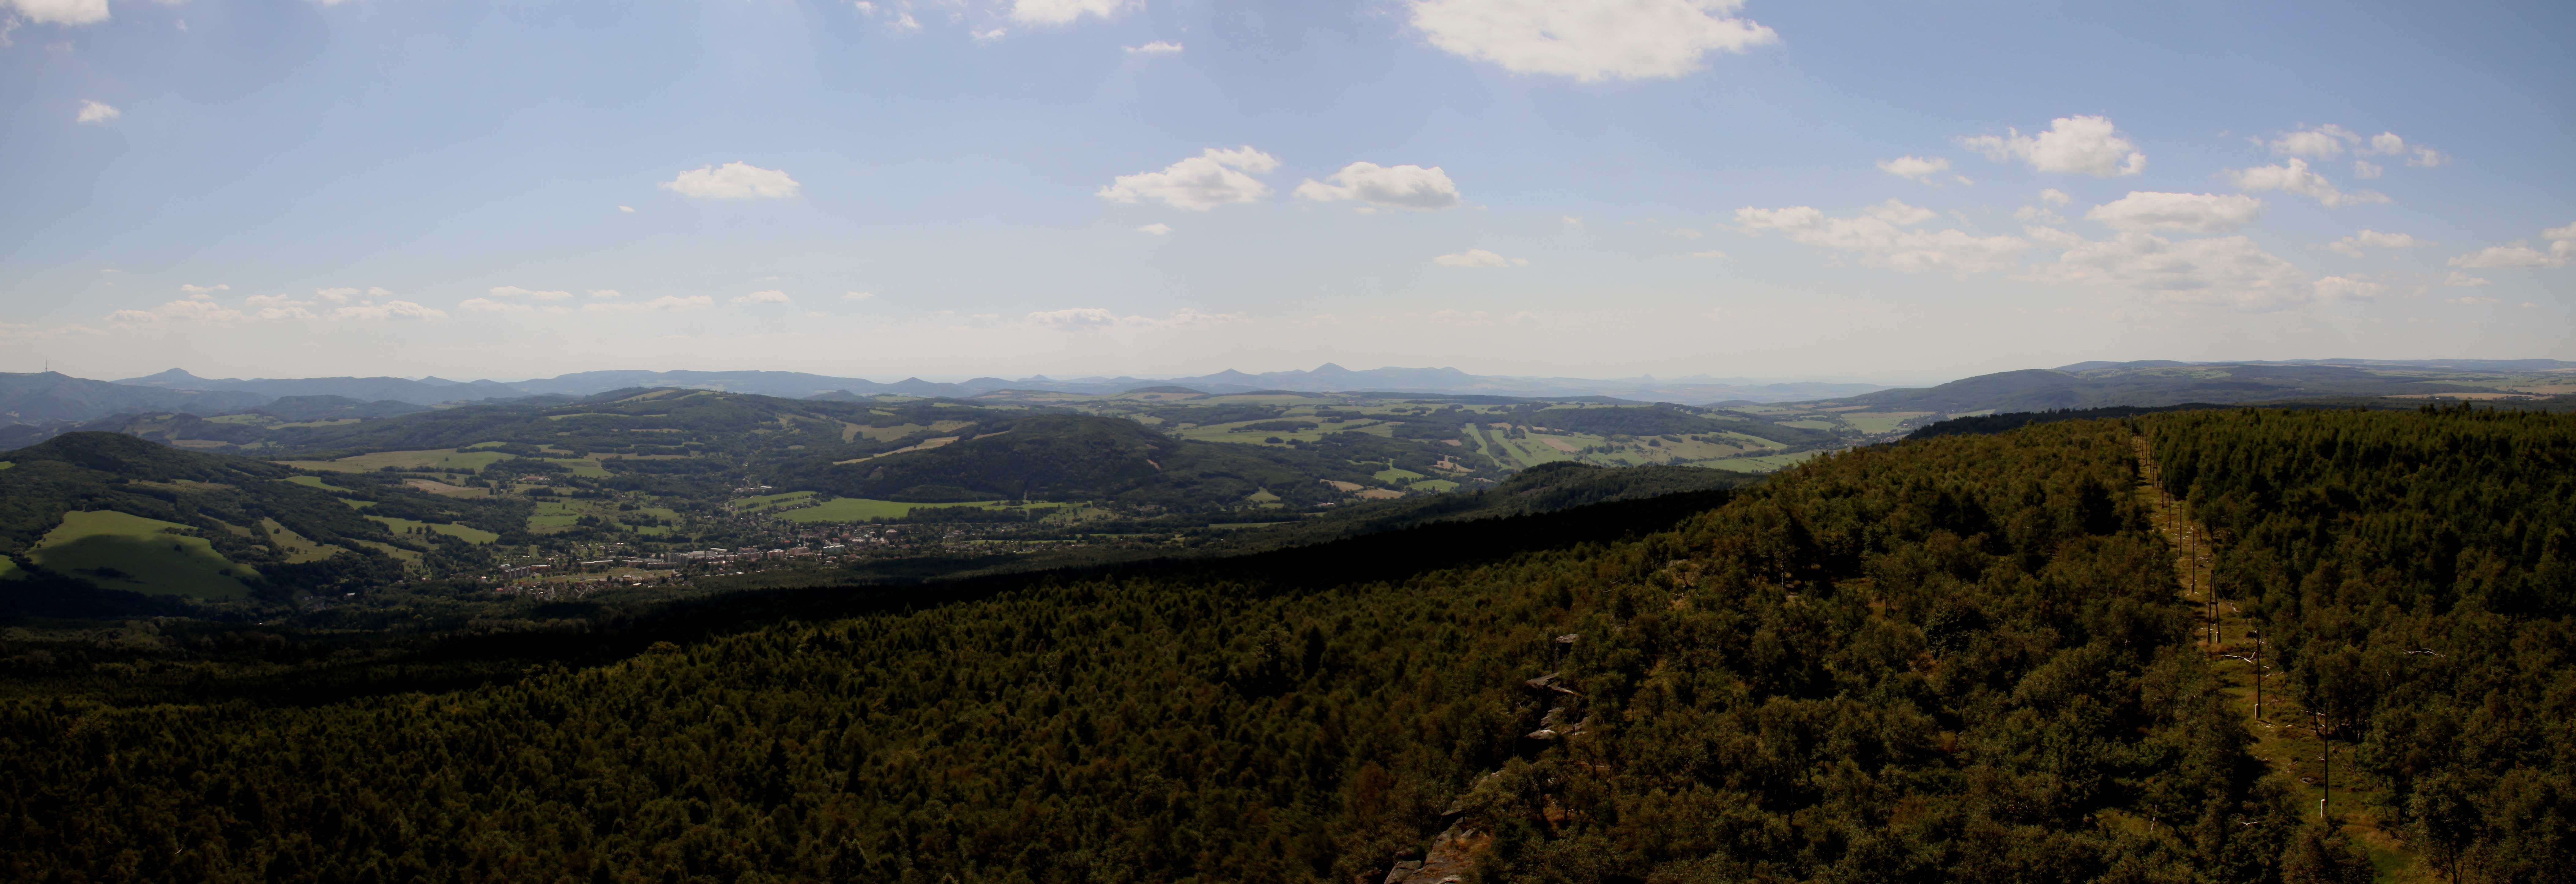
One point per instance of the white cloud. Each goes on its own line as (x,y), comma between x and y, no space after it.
(1057,12)
(2562,249)
(1881,235)
(666,303)
(59,12)
(2081,145)
(2458,280)
(1155,229)
(2332,289)
(2367,169)
(336,296)
(1158,47)
(1211,179)
(626,208)
(1574,221)
(2322,142)
(991,35)
(95,112)
(2515,255)
(1075,318)
(33,332)
(1589,40)
(733,180)
(1093,318)
(2297,178)
(487,305)
(2361,243)
(2223,270)
(607,293)
(2328,141)
(202,290)
(511,291)
(1393,187)
(857,296)
(278,307)
(388,310)
(2388,144)
(1477,258)
(1915,167)
(2037,215)
(1710,253)
(2145,210)
(2471,300)
(1683,232)
(186,310)
(766,297)
(2054,196)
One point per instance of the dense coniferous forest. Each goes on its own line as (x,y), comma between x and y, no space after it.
(1958,658)
(2415,577)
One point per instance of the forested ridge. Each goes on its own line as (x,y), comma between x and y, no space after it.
(2414,578)
(1961,658)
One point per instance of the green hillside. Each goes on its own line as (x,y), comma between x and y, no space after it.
(2101,385)
(124,517)
(1960,658)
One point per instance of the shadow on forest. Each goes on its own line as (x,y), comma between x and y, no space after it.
(468,661)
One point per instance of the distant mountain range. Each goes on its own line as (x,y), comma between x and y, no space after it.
(2163,382)
(46,397)
(50,397)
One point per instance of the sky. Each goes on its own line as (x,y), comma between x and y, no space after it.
(1898,191)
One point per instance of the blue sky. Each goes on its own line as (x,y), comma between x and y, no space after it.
(1897,191)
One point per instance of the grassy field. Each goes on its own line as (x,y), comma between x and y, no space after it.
(766,501)
(581,466)
(460,532)
(1881,421)
(1760,463)
(443,459)
(555,514)
(860,509)
(298,548)
(316,482)
(122,551)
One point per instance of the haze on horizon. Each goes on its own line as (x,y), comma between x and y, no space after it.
(881,189)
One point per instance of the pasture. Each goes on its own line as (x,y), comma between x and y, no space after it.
(129,552)
(475,536)
(1760,463)
(860,509)
(297,548)
(433,459)
(316,482)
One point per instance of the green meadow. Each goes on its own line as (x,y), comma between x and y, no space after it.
(1760,463)
(460,532)
(860,509)
(124,551)
(441,459)
(316,482)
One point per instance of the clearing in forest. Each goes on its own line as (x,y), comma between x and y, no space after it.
(2286,737)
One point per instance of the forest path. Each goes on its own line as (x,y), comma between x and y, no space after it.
(2285,734)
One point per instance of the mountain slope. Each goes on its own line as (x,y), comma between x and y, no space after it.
(1952,660)
(38,397)
(95,506)
(2153,384)
(426,391)
(1075,458)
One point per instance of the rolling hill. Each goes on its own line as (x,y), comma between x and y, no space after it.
(42,397)
(2098,385)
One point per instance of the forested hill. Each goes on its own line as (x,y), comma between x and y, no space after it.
(2415,574)
(1963,658)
